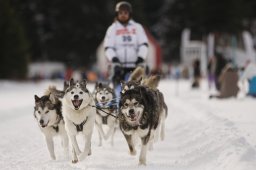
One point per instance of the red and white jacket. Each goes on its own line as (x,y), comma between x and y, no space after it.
(127,43)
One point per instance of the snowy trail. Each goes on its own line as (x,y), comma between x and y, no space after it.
(200,134)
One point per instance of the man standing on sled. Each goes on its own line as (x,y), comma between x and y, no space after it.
(125,43)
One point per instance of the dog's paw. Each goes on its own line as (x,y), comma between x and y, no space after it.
(133,153)
(90,152)
(142,163)
(53,157)
(74,161)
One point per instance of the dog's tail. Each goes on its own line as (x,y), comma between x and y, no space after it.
(152,81)
(137,74)
(50,90)
(54,93)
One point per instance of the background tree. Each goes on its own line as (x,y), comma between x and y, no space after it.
(70,31)
(13,44)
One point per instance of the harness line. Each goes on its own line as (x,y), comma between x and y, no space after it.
(101,109)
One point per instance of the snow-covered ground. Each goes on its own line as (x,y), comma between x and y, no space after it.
(201,134)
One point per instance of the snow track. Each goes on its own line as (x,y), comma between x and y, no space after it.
(201,134)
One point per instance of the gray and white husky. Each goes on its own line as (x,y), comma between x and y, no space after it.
(47,112)
(140,114)
(138,79)
(105,100)
(79,116)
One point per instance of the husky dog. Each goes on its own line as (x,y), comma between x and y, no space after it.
(140,111)
(47,112)
(105,100)
(79,115)
(150,85)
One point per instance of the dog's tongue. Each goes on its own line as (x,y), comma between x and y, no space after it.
(76,103)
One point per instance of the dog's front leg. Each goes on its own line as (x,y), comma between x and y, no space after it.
(50,146)
(163,126)
(143,154)
(74,156)
(101,133)
(64,143)
(130,144)
(111,124)
(74,144)
(112,137)
(87,148)
(144,148)
(111,132)
(143,151)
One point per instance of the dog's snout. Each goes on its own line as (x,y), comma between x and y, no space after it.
(103,97)
(41,121)
(76,96)
(131,111)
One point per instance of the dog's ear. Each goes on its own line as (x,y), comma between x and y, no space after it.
(37,99)
(72,82)
(139,81)
(84,82)
(96,84)
(100,85)
(65,85)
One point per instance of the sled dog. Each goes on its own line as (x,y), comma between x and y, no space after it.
(140,111)
(79,116)
(105,100)
(47,112)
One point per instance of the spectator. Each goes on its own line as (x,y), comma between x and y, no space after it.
(250,75)
(228,81)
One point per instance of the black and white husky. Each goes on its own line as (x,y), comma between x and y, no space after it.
(79,116)
(140,114)
(105,100)
(47,112)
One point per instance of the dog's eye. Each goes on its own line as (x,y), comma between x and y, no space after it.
(126,104)
(136,103)
(39,112)
(72,92)
(47,112)
(81,92)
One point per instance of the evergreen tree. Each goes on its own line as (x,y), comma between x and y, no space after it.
(13,44)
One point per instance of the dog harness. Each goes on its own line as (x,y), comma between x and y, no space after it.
(80,127)
(109,107)
(56,128)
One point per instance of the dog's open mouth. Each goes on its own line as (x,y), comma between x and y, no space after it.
(133,118)
(104,102)
(44,125)
(77,103)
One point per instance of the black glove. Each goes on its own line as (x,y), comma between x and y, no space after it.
(139,60)
(115,60)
